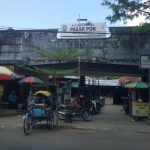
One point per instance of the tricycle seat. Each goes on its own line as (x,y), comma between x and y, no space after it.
(41,110)
(40,105)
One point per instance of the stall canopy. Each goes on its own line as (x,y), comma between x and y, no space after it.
(126,79)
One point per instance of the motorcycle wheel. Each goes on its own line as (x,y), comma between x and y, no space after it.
(98,109)
(93,111)
(61,114)
(86,115)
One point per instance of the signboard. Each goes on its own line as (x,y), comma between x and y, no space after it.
(140,109)
(74,85)
(145,61)
(83,30)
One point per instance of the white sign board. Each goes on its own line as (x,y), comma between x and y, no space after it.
(145,61)
(83,30)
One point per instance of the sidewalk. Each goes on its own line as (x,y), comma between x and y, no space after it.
(111,117)
(8,112)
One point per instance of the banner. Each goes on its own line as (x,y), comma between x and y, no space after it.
(88,30)
(144,61)
(140,109)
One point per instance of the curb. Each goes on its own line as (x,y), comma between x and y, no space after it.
(147,121)
(8,114)
(76,127)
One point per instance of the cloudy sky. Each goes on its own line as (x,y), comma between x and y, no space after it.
(44,14)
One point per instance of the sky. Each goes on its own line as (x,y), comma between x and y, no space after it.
(46,14)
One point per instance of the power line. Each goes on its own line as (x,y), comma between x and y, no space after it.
(5,28)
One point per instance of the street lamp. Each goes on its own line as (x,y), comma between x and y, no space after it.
(79,55)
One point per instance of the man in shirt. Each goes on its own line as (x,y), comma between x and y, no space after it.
(12,100)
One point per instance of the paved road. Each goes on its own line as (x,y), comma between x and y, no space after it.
(15,139)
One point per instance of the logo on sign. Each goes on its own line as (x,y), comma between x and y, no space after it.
(64,28)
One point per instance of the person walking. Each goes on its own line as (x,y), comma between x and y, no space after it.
(12,100)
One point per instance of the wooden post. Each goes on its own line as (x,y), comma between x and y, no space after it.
(130,103)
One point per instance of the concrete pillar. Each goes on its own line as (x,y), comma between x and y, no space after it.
(82,85)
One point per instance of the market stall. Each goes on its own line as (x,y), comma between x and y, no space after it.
(139,108)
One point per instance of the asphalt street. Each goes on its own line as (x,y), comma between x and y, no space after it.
(42,139)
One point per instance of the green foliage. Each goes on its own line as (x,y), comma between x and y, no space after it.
(122,10)
(58,54)
(143,28)
(50,71)
(87,53)
(54,54)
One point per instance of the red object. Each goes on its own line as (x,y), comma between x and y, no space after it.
(76,105)
(81,96)
(125,79)
(7,74)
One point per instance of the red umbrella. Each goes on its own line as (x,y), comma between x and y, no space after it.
(7,74)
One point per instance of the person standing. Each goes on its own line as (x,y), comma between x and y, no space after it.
(75,99)
(30,95)
(12,100)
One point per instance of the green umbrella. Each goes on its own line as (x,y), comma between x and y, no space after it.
(137,84)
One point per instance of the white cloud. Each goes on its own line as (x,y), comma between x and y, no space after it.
(137,21)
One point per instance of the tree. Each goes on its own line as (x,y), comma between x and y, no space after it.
(143,28)
(58,55)
(122,10)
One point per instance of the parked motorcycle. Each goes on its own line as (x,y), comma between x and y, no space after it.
(125,104)
(95,105)
(102,100)
(76,111)
(96,102)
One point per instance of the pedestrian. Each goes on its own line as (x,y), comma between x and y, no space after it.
(30,95)
(12,100)
(30,99)
(75,99)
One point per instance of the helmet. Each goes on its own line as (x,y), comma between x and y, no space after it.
(81,96)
